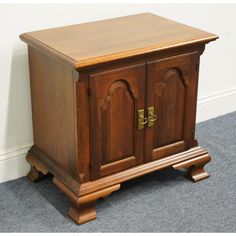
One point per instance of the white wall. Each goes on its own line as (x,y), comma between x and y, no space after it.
(217,88)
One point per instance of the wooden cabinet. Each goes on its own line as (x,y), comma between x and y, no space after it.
(108,108)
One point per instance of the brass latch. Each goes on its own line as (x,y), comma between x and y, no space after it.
(141,119)
(151,116)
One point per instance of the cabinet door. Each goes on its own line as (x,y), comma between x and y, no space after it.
(172,91)
(116,96)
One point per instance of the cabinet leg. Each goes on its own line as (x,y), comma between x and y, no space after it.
(34,175)
(195,143)
(37,170)
(83,214)
(197,173)
(82,208)
(195,167)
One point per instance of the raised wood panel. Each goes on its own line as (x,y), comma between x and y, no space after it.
(118,117)
(116,95)
(171,85)
(169,104)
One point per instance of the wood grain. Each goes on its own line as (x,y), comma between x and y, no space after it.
(53,109)
(171,90)
(38,157)
(82,208)
(37,169)
(84,45)
(83,129)
(115,98)
(143,169)
(195,167)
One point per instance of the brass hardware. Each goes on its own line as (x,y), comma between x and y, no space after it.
(141,119)
(151,116)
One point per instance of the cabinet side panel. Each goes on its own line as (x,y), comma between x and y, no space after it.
(53,107)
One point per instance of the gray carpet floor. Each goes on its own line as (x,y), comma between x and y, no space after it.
(163,201)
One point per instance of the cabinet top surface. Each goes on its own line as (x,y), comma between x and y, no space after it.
(89,44)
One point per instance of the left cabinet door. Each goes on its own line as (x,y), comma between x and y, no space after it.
(115,98)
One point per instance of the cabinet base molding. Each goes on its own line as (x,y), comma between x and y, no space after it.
(82,208)
(193,160)
(83,196)
(43,164)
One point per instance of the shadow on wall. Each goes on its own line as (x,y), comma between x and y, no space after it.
(18,132)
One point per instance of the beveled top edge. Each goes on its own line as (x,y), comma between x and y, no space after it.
(91,61)
(138,52)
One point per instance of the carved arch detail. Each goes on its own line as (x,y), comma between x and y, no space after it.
(176,72)
(171,90)
(123,115)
